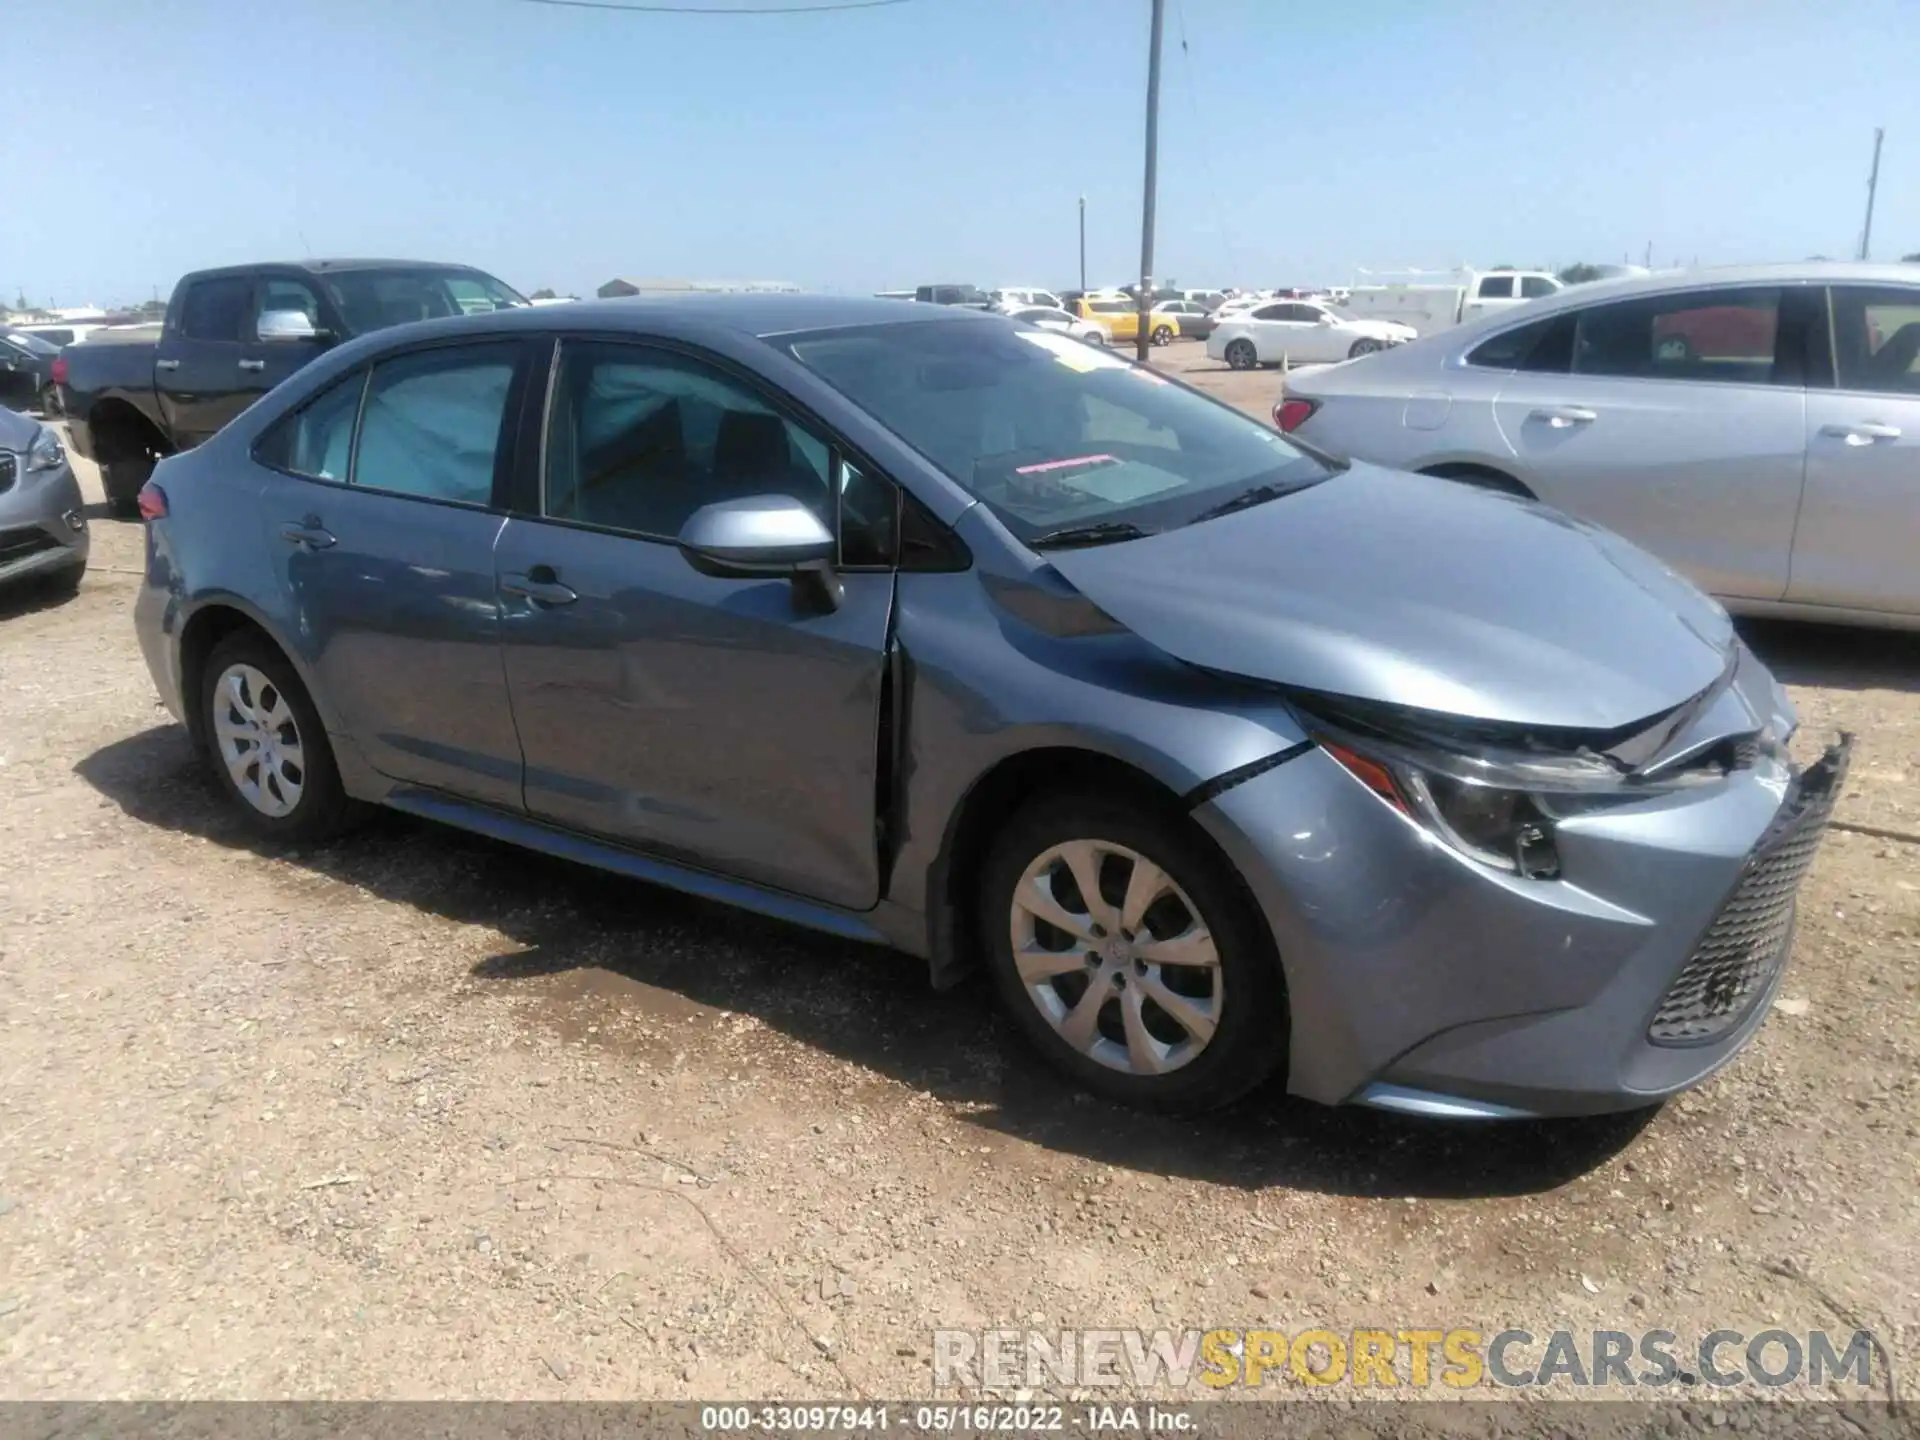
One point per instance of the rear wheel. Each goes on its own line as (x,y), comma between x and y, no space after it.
(1129,955)
(268,749)
(122,479)
(1363,346)
(1162,335)
(1241,355)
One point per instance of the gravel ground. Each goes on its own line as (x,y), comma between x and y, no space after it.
(416,1115)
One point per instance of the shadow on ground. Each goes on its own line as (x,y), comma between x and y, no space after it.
(24,597)
(1836,656)
(864,1005)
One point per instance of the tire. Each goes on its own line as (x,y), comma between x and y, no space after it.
(1098,339)
(1161,335)
(251,698)
(1364,346)
(1675,350)
(1146,1058)
(1242,356)
(122,479)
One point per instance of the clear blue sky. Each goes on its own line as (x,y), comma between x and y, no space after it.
(945,139)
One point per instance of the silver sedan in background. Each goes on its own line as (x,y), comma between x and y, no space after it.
(43,530)
(1758,428)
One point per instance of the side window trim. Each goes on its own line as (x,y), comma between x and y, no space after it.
(531,503)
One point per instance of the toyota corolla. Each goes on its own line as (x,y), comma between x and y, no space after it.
(937,631)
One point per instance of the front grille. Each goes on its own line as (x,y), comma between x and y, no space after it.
(17,544)
(1736,959)
(9,470)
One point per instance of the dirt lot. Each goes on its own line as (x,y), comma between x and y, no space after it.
(416,1115)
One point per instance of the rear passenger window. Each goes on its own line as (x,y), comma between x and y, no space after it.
(1724,335)
(216,309)
(1496,287)
(432,423)
(317,439)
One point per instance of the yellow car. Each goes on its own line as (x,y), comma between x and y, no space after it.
(1121,320)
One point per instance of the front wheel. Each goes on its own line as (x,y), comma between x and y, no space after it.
(1241,355)
(1130,956)
(268,749)
(1364,346)
(1096,338)
(1162,335)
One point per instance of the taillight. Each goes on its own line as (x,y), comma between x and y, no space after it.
(153,502)
(1290,415)
(59,369)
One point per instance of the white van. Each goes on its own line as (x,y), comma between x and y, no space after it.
(1428,308)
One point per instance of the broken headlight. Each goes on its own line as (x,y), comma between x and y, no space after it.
(1492,793)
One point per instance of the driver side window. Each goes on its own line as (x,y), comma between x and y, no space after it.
(638,439)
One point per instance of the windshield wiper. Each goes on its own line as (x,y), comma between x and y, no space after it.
(1100,532)
(1245,500)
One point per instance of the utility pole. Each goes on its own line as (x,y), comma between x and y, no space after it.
(1153,155)
(1873,183)
(1649,264)
(1083,244)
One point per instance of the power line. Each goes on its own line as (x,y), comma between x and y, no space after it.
(730,10)
(1206,152)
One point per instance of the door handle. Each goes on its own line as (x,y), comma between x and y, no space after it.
(308,534)
(1865,433)
(166,364)
(1564,417)
(541,585)
(255,365)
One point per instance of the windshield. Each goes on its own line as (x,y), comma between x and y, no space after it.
(375,299)
(32,344)
(1050,432)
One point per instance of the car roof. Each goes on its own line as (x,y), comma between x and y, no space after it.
(760,316)
(318,267)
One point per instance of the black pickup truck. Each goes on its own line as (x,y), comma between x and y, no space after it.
(230,336)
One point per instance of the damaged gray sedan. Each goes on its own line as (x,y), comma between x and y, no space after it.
(936,631)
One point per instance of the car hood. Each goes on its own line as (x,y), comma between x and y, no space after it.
(1422,592)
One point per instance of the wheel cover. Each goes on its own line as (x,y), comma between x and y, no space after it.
(1239,354)
(258,740)
(1116,957)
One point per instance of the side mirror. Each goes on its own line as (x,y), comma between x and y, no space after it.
(763,535)
(288,325)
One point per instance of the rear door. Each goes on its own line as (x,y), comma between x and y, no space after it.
(199,375)
(1678,420)
(725,722)
(383,533)
(1860,526)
